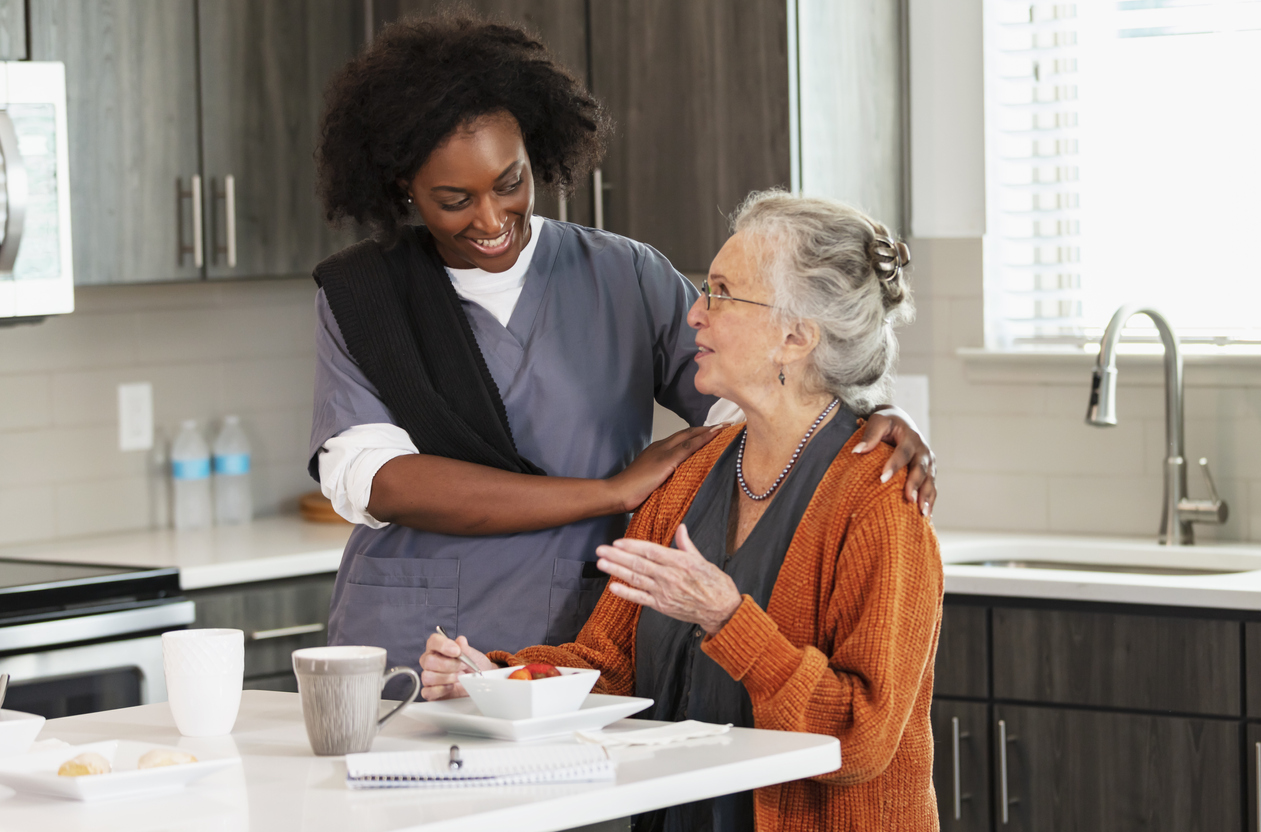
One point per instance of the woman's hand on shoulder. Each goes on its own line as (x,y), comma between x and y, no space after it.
(441,668)
(910,451)
(657,462)
(679,583)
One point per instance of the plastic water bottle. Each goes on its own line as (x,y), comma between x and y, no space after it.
(234,504)
(190,474)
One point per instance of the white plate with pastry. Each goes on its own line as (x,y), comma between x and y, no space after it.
(461,716)
(106,770)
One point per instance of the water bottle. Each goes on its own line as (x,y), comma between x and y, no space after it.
(190,475)
(234,503)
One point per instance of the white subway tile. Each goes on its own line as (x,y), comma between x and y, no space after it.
(74,341)
(101,506)
(25,401)
(269,383)
(997,502)
(1126,505)
(26,514)
(1037,445)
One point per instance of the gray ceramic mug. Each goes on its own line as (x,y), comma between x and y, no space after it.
(341,696)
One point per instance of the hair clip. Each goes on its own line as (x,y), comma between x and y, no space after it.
(891,256)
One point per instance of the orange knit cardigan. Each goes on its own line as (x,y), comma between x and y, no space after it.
(845,646)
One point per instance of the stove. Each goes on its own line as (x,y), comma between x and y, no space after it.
(77,638)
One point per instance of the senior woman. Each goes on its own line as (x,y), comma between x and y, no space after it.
(803,594)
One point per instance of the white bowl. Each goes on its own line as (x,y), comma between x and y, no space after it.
(499,697)
(17,731)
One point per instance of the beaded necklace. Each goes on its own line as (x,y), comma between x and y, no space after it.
(797,453)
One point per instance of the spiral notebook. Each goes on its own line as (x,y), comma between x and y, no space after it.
(479,767)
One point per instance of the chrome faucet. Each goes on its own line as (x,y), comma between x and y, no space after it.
(1178,512)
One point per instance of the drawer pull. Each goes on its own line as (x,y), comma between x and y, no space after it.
(955,736)
(1259,786)
(1003,739)
(286,632)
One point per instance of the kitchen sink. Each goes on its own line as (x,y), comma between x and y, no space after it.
(1099,555)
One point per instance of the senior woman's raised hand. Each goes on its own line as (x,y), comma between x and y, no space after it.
(679,583)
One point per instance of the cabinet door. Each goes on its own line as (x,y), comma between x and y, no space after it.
(278,617)
(562,26)
(699,93)
(131,94)
(1252,754)
(1065,770)
(961,767)
(1114,660)
(962,666)
(264,66)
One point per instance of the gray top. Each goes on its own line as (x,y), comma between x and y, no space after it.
(598,333)
(671,668)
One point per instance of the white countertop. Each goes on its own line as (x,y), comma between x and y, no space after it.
(1237,586)
(281,785)
(264,550)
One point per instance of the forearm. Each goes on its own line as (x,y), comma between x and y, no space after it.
(437,494)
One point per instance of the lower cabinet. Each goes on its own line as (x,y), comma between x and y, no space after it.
(1065,769)
(277,617)
(1252,758)
(961,765)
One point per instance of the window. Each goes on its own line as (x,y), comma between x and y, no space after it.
(1123,164)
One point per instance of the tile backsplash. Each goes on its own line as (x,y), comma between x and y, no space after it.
(1014,452)
(209,349)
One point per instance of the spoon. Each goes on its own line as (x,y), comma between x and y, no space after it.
(463,657)
(4,686)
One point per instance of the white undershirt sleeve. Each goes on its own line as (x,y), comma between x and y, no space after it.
(350,460)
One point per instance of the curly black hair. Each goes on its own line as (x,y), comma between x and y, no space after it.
(389,108)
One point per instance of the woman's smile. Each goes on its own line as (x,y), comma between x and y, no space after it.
(493,246)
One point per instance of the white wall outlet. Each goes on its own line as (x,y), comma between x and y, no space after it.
(135,416)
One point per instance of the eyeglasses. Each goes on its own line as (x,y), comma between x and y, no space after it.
(709,296)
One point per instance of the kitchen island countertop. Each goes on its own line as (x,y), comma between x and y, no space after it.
(266,549)
(281,785)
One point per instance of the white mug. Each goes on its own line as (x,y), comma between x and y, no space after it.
(204,671)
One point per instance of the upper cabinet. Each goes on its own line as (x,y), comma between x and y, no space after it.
(264,64)
(192,128)
(700,94)
(131,97)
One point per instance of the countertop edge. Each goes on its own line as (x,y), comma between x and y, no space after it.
(214,575)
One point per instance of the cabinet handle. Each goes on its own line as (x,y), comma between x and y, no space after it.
(229,209)
(16,193)
(1258,750)
(1003,739)
(597,184)
(955,736)
(286,632)
(198,244)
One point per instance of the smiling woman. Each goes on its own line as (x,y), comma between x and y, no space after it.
(461,359)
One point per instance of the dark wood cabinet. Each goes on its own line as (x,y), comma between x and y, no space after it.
(277,617)
(264,64)
(962,666)
(1252,777)
(961,764)
(700,94)
(1066,769)
(1110,659)
(131,90)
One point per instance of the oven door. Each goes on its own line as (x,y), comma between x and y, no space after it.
(121,671)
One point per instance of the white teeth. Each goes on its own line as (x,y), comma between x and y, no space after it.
(495,243)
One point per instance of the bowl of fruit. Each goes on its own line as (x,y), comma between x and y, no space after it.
(529,691)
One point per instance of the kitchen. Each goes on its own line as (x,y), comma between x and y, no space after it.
(161,93)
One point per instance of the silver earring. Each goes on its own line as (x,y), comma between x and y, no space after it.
(409,200)
(781,375)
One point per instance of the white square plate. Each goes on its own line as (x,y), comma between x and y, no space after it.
(36,772)
(460,716)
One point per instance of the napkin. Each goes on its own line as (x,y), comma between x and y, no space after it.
(689,729)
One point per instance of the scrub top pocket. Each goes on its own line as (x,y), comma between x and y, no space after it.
(576,587)
(398,602)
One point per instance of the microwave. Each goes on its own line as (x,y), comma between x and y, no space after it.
(36,258)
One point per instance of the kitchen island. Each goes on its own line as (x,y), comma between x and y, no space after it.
(281,784)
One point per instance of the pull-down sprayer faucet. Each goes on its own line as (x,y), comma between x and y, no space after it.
(1178,512)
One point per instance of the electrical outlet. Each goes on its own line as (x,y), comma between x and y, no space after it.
(135,416)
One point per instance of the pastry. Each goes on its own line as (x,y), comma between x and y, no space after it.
(159,757)
(87,763)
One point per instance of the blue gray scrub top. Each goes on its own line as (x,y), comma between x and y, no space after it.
(598,333)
